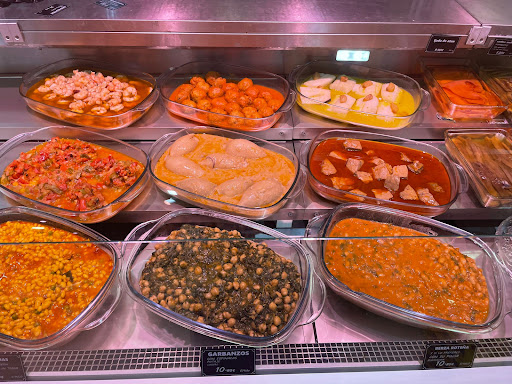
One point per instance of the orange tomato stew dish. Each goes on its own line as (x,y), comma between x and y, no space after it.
(381,170)
(72,174)
(242,99)
(94,93)
(45,286)
(420,274)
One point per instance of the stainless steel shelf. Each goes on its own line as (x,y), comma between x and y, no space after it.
(494,13)
(400,24)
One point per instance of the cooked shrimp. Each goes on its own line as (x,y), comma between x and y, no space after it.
(80,95)
(130,94)
(49,96)
(43,89)
(77,106)
(99,110)
(116,108)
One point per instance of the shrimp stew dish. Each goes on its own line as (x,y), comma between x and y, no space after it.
(72,174)
(88,92)
(234,171)
(420,274)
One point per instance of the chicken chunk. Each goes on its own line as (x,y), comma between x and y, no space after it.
(435,187)
(409,193)
(357,192)
(327,168)
(338,155)
(415,167)
(365,177)
(382,194)
(405,158)
(381,171)
(400,171)
(352,145)
(392,183)
(425,196)
(342,182)
(354,165)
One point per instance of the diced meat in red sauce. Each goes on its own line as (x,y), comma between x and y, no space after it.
(392,183)
(354,165)
(342,182)
(409,193)
(365,177)
(338,155)
(381,171)
(394,160)
(382,194)
(400,171)
(357,192)
(72,174)
(405,158)
(415,167)
(328,168)
(352,145)
(425,196)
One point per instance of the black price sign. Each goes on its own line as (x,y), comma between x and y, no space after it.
(449,356)
(52,10)
(228,361)
(501,47)
(442,43)
(11,367)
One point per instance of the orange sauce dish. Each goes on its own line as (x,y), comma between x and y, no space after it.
(421,274)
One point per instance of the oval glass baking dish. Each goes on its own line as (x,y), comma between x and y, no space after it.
(103,304)
(457,178)
(308,306)
(319,228)
(160,147)
(24,142)
(410,104)
(107,122)
(169,81)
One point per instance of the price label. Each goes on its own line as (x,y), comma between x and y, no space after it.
(501,47)
(442,43)
(228,361)
(11,367)
(449,356)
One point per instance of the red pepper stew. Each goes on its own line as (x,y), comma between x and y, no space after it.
(419,274)
(72,174)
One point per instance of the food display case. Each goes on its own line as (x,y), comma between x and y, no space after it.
(332,335)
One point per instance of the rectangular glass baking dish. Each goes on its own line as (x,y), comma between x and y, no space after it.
(162,144)
(121,120)
(487,182)
(103,304)
(174,77)
(11,149)
(500,81)
(299,75)
(319,228)
(450,109)
(147,235)
(458,181)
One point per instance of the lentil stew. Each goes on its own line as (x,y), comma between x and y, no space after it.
(228,282)
(45,286)
(424,275)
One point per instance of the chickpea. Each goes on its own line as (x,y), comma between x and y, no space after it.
(198,270)
(228,266)
(274,104)
(231,322)
(252,92)
(219,102)
(272,306)
(273,329)
(215,291)
(215,92)
(259,271)
(243,285)
(262,327)
(245,84)
(197,94)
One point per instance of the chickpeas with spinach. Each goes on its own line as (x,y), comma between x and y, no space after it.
(234,284)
